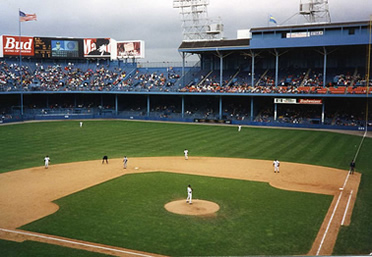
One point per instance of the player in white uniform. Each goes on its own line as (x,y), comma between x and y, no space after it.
(125,161)
(276,165)
(186,152)
(189,195)
(46,161)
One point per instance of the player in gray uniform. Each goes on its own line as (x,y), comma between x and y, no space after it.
(125,161)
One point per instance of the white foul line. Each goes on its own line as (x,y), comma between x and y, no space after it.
(333,214)
(347,208)
(72,242)
(346,179)
(329,223)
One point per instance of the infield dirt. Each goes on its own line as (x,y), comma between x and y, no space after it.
(27,195)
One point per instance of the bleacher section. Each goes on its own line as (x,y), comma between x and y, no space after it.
(113,78)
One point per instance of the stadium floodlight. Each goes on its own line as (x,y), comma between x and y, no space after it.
(315,11)
(195,22)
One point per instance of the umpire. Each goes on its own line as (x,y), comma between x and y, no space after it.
(352,167)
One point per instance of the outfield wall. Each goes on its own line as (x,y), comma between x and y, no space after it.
(285,110)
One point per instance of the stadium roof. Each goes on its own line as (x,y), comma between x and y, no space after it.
(234,44)
(312,26)
(288,36)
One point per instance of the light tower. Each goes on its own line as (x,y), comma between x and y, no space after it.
(196,25)
(315,11)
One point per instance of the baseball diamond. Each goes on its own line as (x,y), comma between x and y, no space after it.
(255,145)
(65,179)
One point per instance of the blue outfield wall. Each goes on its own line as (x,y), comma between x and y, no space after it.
(82,117)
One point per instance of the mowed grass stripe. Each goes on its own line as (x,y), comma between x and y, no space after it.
(24,146)
(128,212)
(66,141)
(301,146)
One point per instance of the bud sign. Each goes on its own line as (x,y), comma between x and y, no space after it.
(12,45)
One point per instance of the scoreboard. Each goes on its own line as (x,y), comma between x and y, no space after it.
(42,47)
(58,48)
(67,48)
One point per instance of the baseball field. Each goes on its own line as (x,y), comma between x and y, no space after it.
(81,207)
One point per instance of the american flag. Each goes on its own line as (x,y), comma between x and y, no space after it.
(27,17)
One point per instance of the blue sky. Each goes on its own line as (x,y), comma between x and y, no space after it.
(156,21)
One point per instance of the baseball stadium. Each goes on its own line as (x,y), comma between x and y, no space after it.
(269,131)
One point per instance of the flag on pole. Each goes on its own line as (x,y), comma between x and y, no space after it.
(27,17)
(272,19)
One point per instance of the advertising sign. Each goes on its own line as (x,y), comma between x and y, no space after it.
(97,47)
(1,47)
(297,101)
(285,100)
(12,45)
(130,49)
(310,101)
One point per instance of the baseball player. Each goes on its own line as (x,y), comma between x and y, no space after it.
(81,124)
(125,161)
(105,159)
(239,128)
(189,195)
(46,161)
(186,152)
(276,165)
(352,167)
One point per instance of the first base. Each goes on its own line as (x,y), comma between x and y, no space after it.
(341,188)
(136,168)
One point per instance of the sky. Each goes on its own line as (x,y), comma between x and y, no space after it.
(156,21)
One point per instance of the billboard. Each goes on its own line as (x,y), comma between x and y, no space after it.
(1,47)
(285,100)
(297,101)
(12,45)
(70,48)
(310,101)
(130,49)
(97,47)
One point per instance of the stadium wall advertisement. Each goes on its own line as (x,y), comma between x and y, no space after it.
(297,101)
(12,45)
(130,49)
(70,48)
(97,47)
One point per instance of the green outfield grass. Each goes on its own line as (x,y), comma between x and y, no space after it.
(25,145)
(29,248)
(254,219)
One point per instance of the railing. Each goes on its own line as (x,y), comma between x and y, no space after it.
(167,64)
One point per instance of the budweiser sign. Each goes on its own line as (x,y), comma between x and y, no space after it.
(310,101)
(12,45)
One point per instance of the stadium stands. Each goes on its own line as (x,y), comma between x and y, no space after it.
(300,75)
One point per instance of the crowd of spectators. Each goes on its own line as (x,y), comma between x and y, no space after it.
(97,77)
(71,77)
(302,82)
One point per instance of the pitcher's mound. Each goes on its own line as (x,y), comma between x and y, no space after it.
(198,207)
